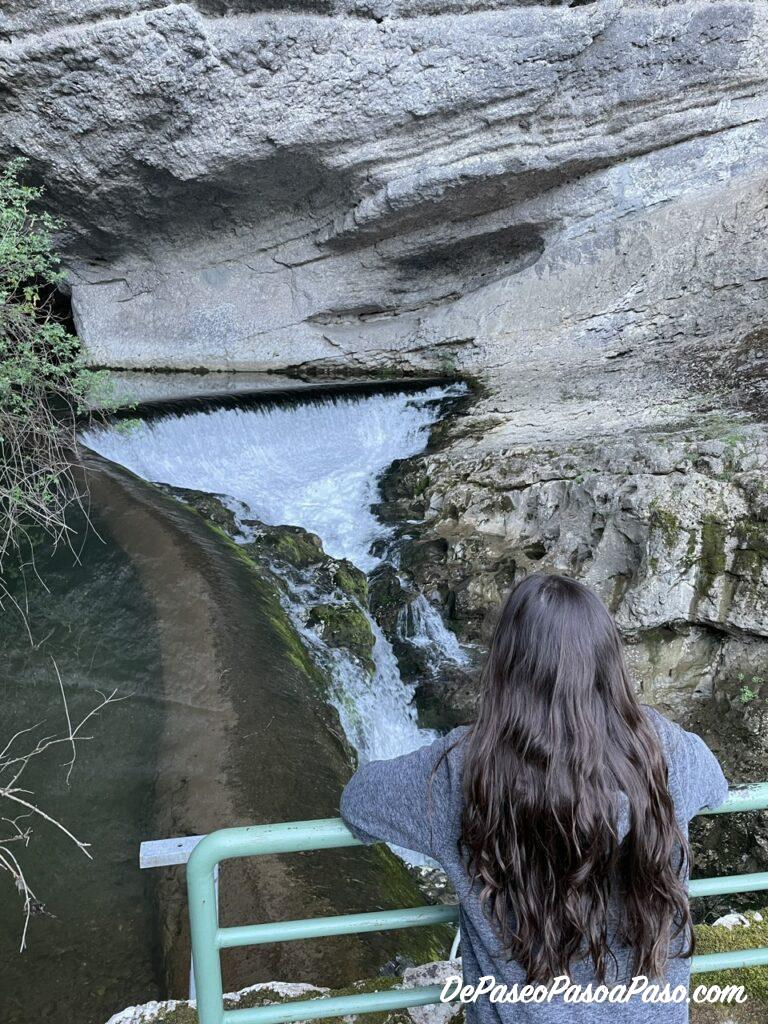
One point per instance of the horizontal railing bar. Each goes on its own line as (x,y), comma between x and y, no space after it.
(414,917)
(343,924)
(728,883)
(260,840)
(335,1006)
(743,798)
(158,853)
(732,960)
(398,999)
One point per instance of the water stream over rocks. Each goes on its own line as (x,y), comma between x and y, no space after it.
(313,465)
(229,606)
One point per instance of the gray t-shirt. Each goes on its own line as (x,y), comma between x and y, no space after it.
(402,802)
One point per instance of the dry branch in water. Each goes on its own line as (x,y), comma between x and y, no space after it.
(19,807)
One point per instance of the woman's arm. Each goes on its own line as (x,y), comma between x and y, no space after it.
(405,801)
(695,775)
(704,782)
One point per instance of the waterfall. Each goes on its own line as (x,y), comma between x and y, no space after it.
(316,465)
(312,464)
(421,624)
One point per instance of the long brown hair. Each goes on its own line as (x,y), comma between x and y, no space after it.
(559,737)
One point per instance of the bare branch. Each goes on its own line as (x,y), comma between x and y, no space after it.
(14,760)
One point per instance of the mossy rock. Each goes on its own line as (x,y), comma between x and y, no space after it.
(711,939)
(290,544)
(345,625)
(209,506)
(751,554)
(351,580)
(387,594)
(665,523)
(712,558)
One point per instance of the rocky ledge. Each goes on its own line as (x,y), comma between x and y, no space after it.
(472,184)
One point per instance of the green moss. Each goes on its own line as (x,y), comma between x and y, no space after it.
(293,545)
(690,549)
(345,625)
(178,1015)
(420,484)
(712,559)
(723,940)
(720,427)
(751,554)
(666,523)
(209,506)
(352,581)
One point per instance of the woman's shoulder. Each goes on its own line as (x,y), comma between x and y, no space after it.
(671,736)
(453,744)
(696,777)
(664,727)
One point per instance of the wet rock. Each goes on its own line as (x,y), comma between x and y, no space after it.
(387,596)
(447,697)
(388,599)
(216,508)
(351,580)
(299,548)
(344,626)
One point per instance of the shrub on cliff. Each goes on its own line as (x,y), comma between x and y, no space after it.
(43,381)
(43,384)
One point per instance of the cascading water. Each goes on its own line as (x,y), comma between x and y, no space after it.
(315,465)
(421,624)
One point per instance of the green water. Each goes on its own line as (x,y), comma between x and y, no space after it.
(219,727)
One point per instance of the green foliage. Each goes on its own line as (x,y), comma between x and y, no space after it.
(746,693)
(43,382)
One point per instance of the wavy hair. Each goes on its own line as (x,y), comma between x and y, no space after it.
(559,738)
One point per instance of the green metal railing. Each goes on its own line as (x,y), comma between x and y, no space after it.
(208,939)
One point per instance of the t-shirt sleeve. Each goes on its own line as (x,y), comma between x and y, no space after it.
(402,801)
(697,771)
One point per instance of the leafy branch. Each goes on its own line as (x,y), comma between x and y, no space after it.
(43,381)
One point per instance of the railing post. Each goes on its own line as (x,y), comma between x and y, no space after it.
(204,920)
(192,985)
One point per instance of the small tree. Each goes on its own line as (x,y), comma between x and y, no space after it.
(43,386)
(43,382)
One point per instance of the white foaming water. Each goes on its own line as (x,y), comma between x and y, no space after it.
(377,715)
(422,625)
(314,464)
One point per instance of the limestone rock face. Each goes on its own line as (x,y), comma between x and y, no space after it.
(446,184)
